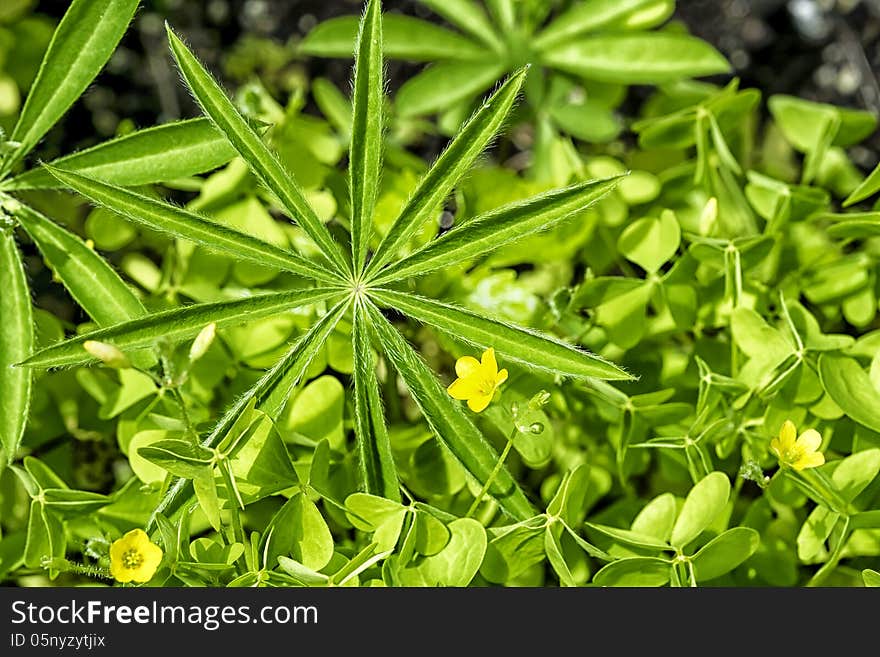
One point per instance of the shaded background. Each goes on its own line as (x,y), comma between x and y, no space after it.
(825,50)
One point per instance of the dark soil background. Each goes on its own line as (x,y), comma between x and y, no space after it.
(826,50)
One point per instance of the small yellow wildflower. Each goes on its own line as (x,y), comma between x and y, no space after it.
(134,557)
(801,453)
(477,380)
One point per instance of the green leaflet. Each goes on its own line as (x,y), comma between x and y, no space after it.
(89,279)
(374,447)
(176,324)
(188,225)
(517,343)
(868,187)
(504,13)
(165,152)
(82,44)
(649,58)
(333,104)
(270,394)
(365,154)
(447,419)
(16,342)
(725,552)
(445,84)
(585,17)
(469,17)
(251,147)
(630,537)
(494,229)
(404,37)
(704,502)
(636,571)
(452,164)
(851,388)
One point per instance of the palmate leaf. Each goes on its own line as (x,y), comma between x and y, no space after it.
(83,42)
(264,163)
(498,227)
(517,343)
(16,342)
(374,447)
(165,152)
(176,324)
(452,164)
(90,280)
(447,419)
(269,394)
(365,154)
(188,225)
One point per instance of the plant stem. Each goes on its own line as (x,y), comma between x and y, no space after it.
(833,559)
(498,465)
(829,496)
(190,429)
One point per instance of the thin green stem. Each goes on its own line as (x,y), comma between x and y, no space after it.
(831,564)
(498,465)
(692,576)
(190,429)
(821,485)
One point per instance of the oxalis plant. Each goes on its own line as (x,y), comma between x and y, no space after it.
(710,257)
(353,279)
(582,58)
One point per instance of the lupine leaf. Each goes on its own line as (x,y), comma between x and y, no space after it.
(447,419)
(16,343)
(647,58)
(404,38)
(188,225)
(89,279)
(585,17)
(517,343)
(176,324)
(374,447)
(251,147)
(365,154)
(165,152)
(270,394)
(494,229)
(83,42)
(452,164)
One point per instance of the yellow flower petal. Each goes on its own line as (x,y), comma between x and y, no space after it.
(490,365)
(787,435)
(810,440)
(147,557)
(500,378)
(811,460)
(776,446)
(464,388)
(466,366)
(478,404)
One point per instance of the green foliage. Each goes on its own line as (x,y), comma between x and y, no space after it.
(263,371)
(582,57)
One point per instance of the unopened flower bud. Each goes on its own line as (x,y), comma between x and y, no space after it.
(108,354)
(202,342)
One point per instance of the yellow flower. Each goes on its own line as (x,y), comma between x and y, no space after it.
(477,380)
(801,453)
(134,557)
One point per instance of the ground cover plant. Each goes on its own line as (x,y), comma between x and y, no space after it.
(606,337)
